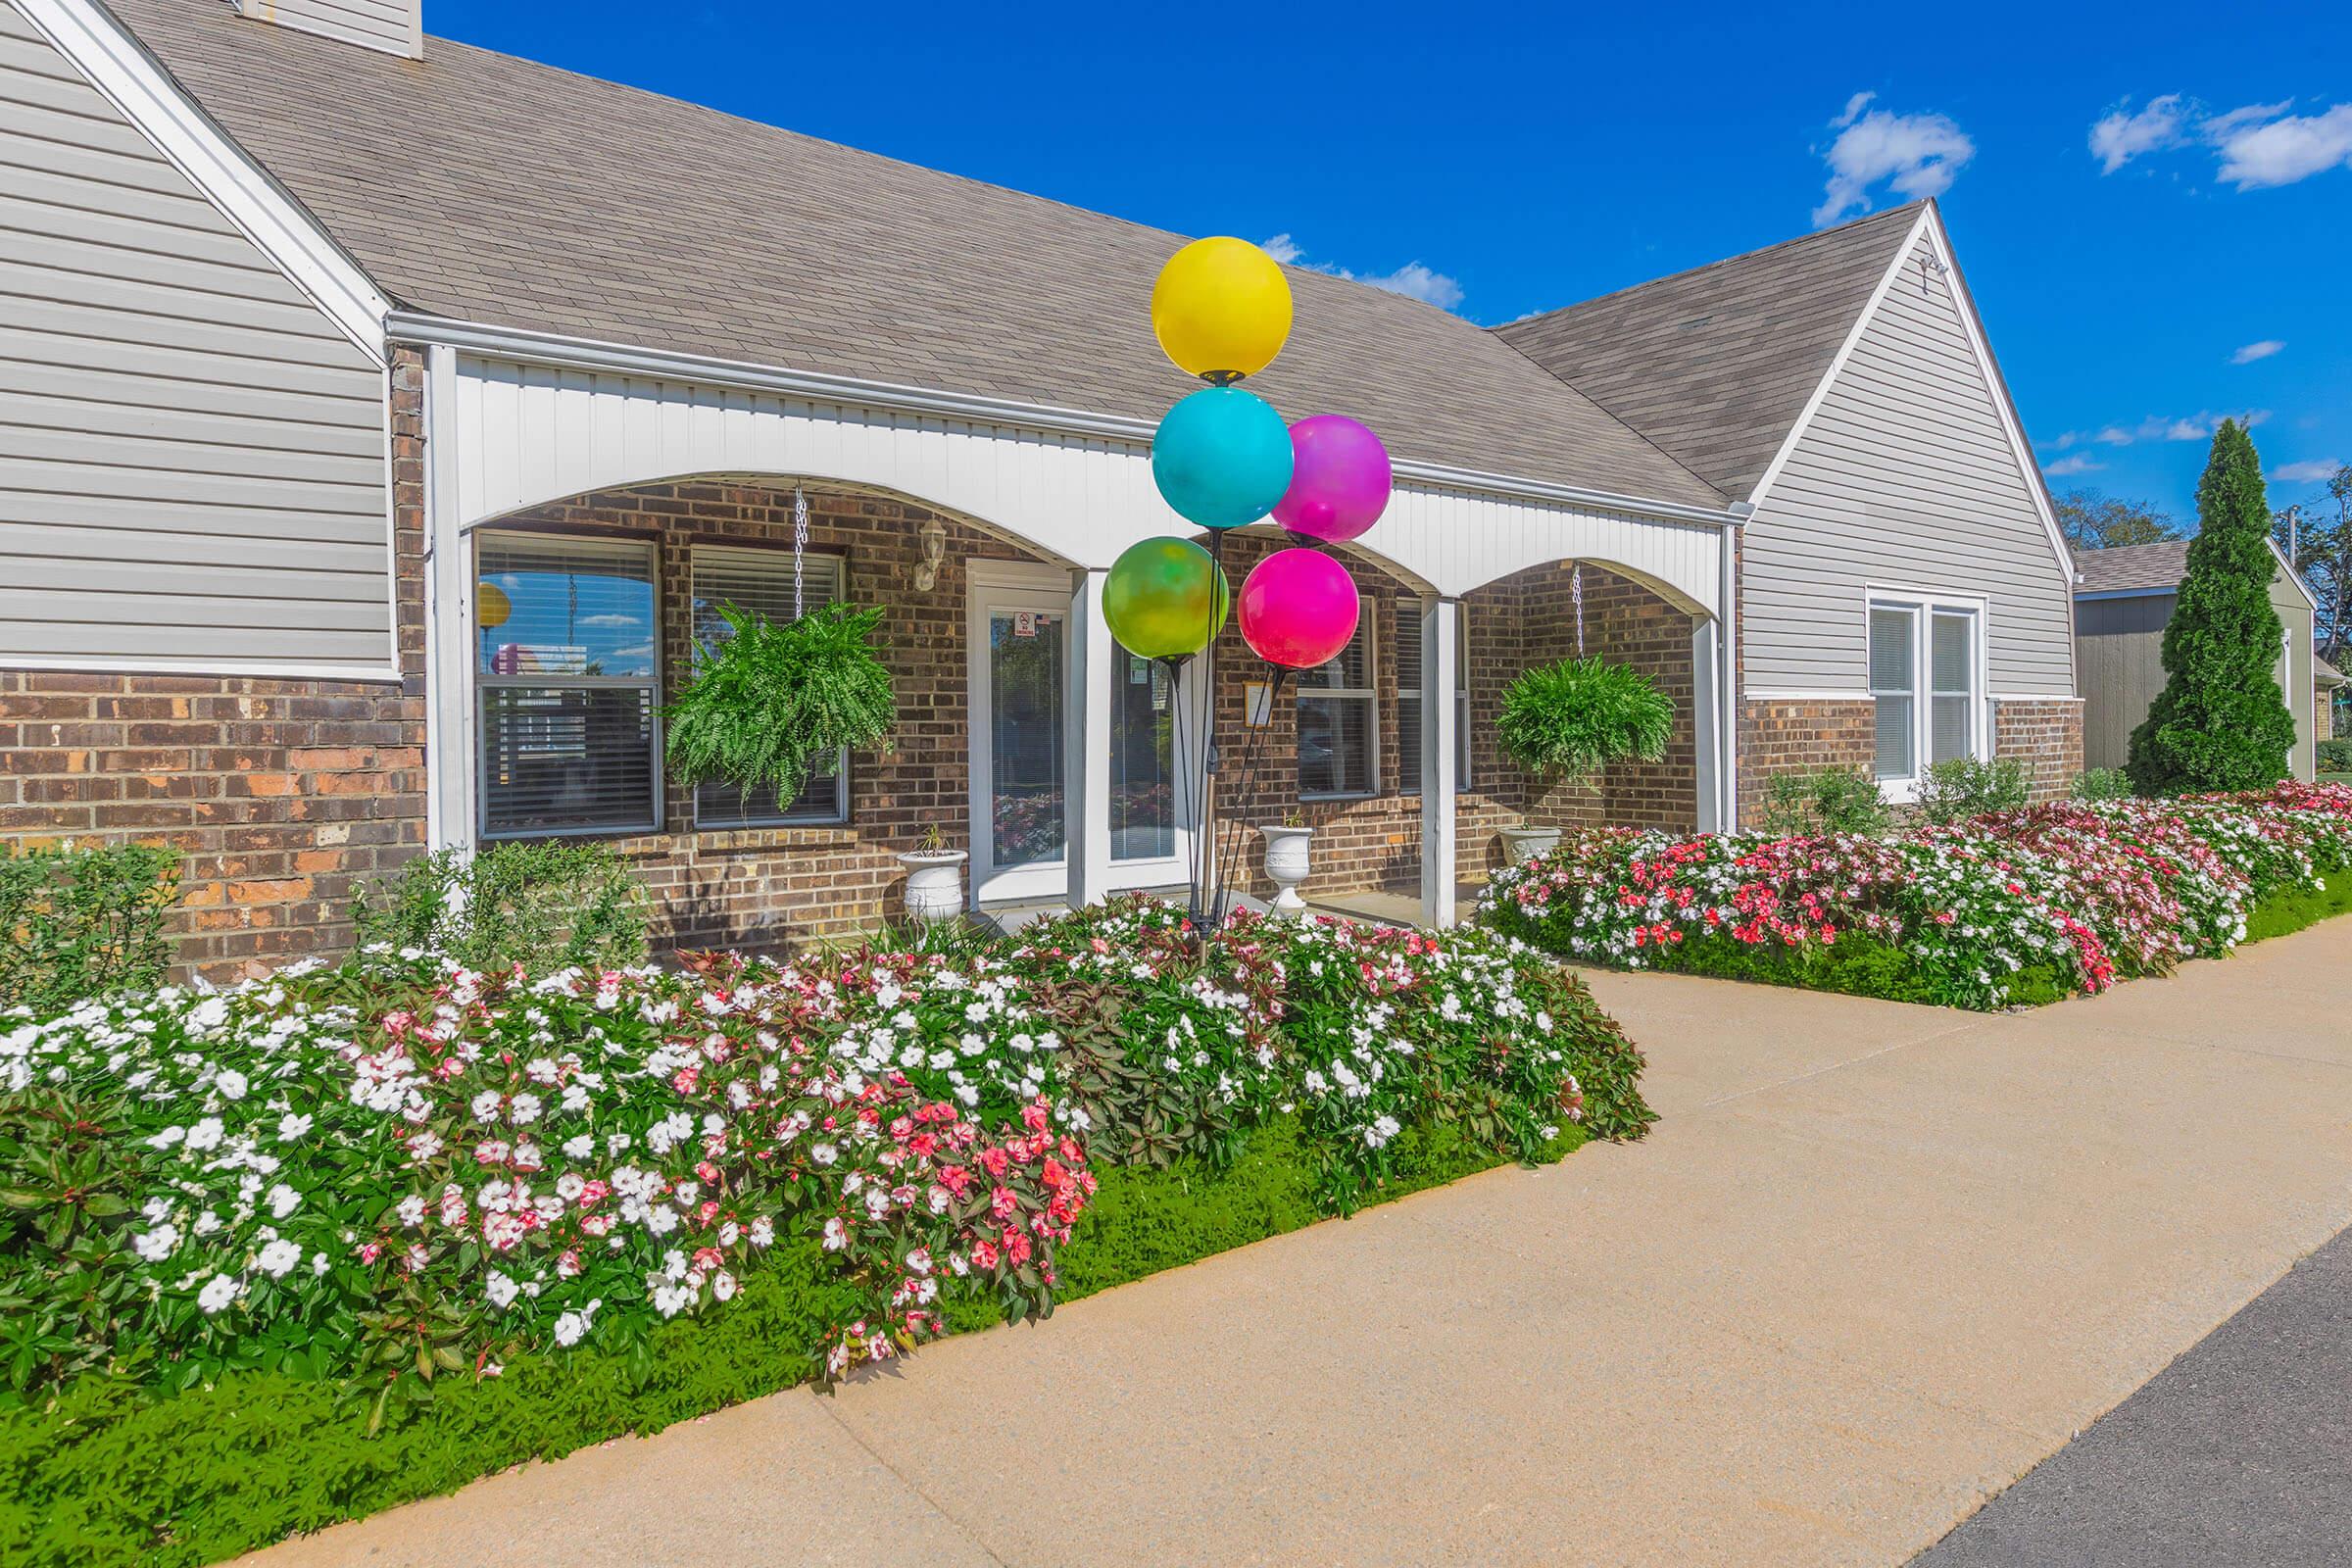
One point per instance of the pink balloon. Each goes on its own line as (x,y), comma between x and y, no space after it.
(1340,479)
(1297,609)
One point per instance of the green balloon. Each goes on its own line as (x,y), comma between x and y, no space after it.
(1165,599)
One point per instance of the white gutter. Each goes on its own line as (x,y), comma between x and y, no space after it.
(619,359)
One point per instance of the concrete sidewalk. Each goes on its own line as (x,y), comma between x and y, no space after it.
(1876,1263)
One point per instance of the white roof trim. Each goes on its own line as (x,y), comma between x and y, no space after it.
(137,84)
(1845,352)
(622,358)
(224,669)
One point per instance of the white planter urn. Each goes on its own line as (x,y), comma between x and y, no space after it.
(1523,844)
(934,883)
(1286,865)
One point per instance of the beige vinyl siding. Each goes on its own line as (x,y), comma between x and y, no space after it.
(192,466)
(2120,653)
(392,25)
(1905,478)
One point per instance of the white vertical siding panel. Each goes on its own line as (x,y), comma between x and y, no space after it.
(1080,498)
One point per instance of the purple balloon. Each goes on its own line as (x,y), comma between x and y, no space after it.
(1340,479)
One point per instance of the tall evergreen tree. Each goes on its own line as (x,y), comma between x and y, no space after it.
(2220,721)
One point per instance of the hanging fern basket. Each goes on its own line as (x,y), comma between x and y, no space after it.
(1573,719)
(771,701)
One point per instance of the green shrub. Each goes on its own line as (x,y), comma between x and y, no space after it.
(769,699)
(1831,799)
(545,906)
(2220,721)
(1966,786)
(2336,756)
(83,921)
(2101,784)
(1575,717)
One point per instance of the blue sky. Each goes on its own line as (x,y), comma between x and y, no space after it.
(1500,162)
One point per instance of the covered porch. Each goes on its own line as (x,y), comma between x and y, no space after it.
(1027,736)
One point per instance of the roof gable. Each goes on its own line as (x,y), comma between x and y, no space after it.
(486,188)
(1717,364)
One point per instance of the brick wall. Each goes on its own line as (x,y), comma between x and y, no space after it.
(282,794)
(1800,737)
(777,887)
(2047,734)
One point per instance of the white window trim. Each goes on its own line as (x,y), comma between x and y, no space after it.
(828,562)
(483,682)
(1412,743)
(1926,603)
(1368,628)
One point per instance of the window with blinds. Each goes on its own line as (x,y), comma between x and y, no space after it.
(1924,662)
(1895,689)
(759,581)
(567,680)
(1408,701)
(1337,720)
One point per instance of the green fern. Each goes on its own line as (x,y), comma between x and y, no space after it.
(1577,716)
(772,700)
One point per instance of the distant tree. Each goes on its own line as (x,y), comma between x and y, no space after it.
(2220,721)
(2094,521)
(2322,543)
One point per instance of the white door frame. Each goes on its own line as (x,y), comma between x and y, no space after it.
(998,585)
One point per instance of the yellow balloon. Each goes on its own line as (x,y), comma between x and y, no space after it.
(1221,307)
(491,605)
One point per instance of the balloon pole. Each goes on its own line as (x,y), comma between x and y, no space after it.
(1204,864)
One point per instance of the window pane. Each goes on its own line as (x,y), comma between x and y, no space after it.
(1025,745)
(1143,759)
(1351,669)
(1335,745)
(1894,738)
(1950,662)
(566,757)
(1890,650)
(759,581)
(1948,727)
(566,606)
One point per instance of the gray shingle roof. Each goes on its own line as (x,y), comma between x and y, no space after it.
(2156,568)
(1715,364)
(482,187)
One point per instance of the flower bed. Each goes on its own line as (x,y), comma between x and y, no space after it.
(2018,907)
(397,1224)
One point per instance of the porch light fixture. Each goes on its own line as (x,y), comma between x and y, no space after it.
(933,537)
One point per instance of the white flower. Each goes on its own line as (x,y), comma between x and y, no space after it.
(579,1148)
(278,1259)
(570,1186)
(486,1105)
(206,1134)
(411,1211)
(823,1153)
(283,1201)
(156,1245)
(501,1290)
(230,1083)
(290,1127)
(837,1234)
(216,1293)
(763,1231)
(723,1285)
(524,1110)
(1381,1131)
(569,1328)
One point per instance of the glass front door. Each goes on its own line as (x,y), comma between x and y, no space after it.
(1019,681)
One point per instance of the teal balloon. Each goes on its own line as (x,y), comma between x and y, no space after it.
(1165,599)
(1222,458)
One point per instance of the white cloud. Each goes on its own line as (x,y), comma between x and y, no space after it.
(2256,351)
(2197,426)
(2259,151)
(1919,155)
(1412,279)
(2258,145)
(2121,136)
(2306,473)
(2080,463)
(612,621)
